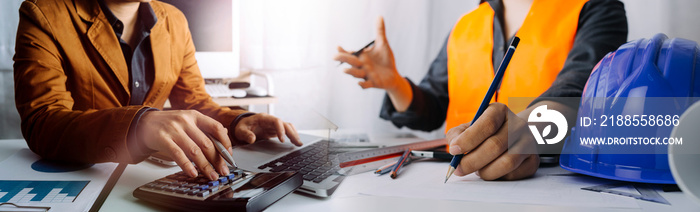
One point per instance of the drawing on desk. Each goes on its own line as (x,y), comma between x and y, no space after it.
(547,187)
(21,191)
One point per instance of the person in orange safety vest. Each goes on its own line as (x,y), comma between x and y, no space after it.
(561,42)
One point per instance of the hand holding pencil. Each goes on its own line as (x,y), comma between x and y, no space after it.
(486,139)
(375,65)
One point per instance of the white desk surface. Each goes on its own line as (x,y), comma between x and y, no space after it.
(345,198)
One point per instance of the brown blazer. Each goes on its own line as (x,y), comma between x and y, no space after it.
(71,79)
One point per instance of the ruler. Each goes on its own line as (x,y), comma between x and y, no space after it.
(646,193)
(373,156)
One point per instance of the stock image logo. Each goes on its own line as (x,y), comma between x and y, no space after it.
(543,116)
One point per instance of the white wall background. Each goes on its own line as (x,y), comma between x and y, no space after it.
(675,18)
(8,29)
(295,40)
(9,118)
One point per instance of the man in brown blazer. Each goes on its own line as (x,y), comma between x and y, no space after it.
(91,78)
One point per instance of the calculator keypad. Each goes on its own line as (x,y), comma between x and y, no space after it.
(180,184)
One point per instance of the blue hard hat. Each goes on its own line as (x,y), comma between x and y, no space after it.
(656,67)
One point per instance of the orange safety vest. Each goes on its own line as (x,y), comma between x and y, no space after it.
(546,37)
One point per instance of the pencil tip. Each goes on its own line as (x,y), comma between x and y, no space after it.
(449,173)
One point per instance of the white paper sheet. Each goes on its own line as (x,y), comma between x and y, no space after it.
(552,186)
(18,167)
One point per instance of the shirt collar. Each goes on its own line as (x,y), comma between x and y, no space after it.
(146,15)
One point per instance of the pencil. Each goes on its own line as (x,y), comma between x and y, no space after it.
(402,159)
(358,52)
(387,170)
(389,166)
(487,99)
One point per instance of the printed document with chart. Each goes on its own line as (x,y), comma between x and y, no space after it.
(27,180)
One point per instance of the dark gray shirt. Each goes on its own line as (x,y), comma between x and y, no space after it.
(602,28)
(139,60)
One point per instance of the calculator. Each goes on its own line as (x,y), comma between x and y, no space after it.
(238,191)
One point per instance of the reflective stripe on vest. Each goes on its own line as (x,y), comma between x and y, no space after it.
(546,37)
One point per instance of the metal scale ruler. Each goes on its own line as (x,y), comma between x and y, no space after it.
(646,193)
(366,160)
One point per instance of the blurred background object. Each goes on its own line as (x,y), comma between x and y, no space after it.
(9,118)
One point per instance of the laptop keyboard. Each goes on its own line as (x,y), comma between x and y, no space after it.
(315,162)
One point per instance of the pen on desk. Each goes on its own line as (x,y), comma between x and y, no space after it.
(223,152)
(432,154)
(358,52)
(487,99)
(402,159)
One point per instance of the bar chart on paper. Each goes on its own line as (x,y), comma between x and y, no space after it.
(18,191)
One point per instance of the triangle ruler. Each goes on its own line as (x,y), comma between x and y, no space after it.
(646,193)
